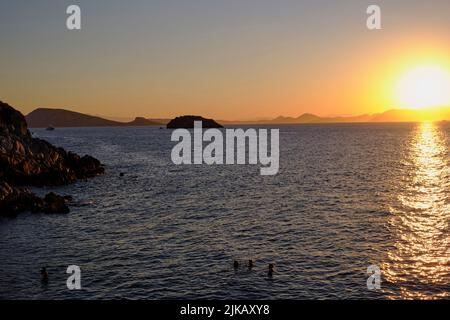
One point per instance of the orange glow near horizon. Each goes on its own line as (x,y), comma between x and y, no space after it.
(410,77)
(424,87)
(377,73)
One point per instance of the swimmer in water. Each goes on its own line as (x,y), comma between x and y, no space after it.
(235,265)
(44,275)
(270,273)
(250,264)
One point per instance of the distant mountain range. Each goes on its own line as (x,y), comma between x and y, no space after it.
(44,117)
(395,115)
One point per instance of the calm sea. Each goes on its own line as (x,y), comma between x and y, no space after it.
(346,197)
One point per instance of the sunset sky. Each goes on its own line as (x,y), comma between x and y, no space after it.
(233,59)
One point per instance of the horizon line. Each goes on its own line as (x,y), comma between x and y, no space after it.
(262,118)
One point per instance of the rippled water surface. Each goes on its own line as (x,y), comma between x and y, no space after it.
(346,197)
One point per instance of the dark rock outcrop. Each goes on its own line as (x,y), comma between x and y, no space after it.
(187,122)
(55,204)
(25,160)
(15,200)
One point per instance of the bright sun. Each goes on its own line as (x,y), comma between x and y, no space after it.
(424,87)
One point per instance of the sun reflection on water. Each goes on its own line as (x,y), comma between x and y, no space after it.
(419,264)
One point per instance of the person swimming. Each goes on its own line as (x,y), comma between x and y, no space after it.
(44,275)
(270,273)
(235,265)
(250,264)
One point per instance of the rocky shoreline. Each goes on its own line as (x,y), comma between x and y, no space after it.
(27,161)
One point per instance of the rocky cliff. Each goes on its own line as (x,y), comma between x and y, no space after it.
(25,160)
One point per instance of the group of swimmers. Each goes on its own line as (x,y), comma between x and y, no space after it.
(44,273)
(250,267)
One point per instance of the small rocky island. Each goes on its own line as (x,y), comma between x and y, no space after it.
(187,122)
(27,161)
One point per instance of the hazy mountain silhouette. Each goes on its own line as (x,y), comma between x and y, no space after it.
(43,117)
(394,115)
(312,118)
(407,115)
(141,121)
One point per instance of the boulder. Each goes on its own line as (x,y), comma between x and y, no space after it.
(55,204)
